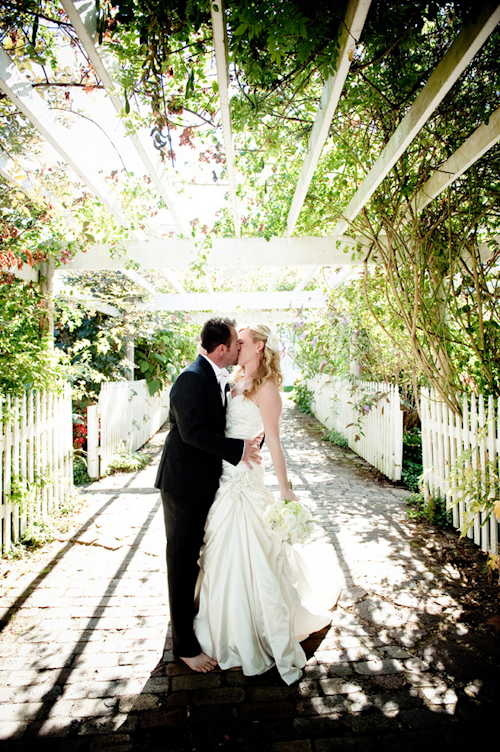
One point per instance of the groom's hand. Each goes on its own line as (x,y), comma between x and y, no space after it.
(251,455)
(259,439)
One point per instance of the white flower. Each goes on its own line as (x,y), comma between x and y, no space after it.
(273,343)
(288,521)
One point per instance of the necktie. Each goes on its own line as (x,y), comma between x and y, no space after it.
(222,378)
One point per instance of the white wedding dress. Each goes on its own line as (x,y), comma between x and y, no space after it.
(255,598)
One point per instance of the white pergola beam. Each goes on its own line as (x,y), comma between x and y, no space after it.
(154,253)
(82,17)
(446,73)
(90,302)
(485,252)
(26,272)
(243,317)
(353,25)
(483,139)
(306,278)
(208,283)
(295,251)
(70,293)
(178,253)
(342,276)
(36,109)
(232,301)
(221,58)
(274,279)
(136,278)
(171,278)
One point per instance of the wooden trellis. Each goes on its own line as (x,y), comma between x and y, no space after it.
(176,252)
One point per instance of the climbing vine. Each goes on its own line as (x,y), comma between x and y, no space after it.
(439,289)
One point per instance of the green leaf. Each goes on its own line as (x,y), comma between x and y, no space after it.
(190,84)
(154,386)
(159,358)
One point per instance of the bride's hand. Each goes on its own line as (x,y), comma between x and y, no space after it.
(288,495)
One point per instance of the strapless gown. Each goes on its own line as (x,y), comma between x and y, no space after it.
(255,600)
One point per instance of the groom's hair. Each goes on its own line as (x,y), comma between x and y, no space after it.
(216,332)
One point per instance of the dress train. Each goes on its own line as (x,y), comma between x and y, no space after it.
(255,596)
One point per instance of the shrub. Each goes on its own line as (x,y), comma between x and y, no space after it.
(124,461)
(412,469)
(334,437)
(80,475)
(430,508)
(303,397)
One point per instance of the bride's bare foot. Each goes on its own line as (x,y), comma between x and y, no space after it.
(201,663)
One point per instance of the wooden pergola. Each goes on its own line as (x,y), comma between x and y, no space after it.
(169,254)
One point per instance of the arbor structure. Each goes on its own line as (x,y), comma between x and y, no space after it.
(340,135)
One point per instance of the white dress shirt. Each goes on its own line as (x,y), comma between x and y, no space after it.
(222,376)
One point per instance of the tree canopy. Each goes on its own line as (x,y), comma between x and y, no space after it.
(439,287)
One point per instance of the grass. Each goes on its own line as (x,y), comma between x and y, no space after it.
(334,437)
(44,530)
(429,508)
(122,461)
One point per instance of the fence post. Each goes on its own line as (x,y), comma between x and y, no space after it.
(93,442)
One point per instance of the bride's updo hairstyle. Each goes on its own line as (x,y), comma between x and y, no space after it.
(270,364)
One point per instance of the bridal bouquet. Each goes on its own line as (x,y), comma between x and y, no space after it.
(288,521)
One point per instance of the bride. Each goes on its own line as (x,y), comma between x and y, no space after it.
(255,602)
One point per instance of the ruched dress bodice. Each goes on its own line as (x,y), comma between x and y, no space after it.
(243,421)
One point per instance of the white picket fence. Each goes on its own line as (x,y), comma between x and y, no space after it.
(125,413)
(36,459)
(445,436)
(376,434)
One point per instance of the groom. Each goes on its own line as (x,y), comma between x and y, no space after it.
(189,472)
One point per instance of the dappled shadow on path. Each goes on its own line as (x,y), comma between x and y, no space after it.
(408,660)
(59,666)
(9,614)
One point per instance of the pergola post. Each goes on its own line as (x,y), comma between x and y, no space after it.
(47,287)
(129,354)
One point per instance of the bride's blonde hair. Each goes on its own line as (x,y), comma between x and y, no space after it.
(270,364)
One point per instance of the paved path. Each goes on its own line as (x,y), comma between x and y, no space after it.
(407,661)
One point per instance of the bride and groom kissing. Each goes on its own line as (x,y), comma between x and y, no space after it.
(238,596)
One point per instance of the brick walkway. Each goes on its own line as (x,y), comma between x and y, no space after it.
(406,662)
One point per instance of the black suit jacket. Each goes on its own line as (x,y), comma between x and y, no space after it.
(191,463)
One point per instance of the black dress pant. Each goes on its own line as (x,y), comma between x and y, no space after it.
(185,526)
